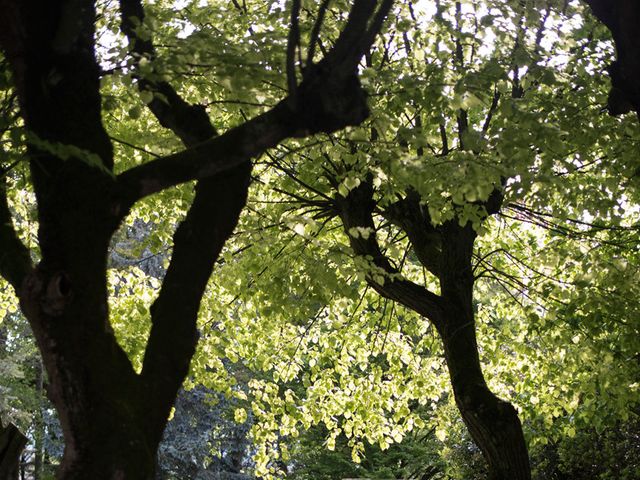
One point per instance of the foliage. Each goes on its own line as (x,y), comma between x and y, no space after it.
(467,98)
(19,362)
(202,440)
(536,343)
(531,300)
(416,456)
(613,453)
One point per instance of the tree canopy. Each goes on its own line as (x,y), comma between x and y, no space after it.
(415,212)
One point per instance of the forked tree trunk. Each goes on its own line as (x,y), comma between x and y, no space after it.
(492,423)
(112,416)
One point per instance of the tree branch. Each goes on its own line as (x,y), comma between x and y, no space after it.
(292,44)
(315,31)
(492,109)
(362,26)
(211,157)
(329,98)
(622,18)
(15,261)
(189,122)
(356,213)
(456,279)
(415,221)
(12,442)
(443,137)
(196,243)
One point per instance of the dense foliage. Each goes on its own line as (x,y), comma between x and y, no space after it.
(322,330)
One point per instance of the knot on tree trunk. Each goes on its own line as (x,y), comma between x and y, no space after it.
(48,293)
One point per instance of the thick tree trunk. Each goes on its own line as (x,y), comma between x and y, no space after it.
(12,442)
(120,459)
(91,381)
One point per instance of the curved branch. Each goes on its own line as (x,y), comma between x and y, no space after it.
(415,221)
(211,157)
(356,213)
(189,122)
(198,242)
(329,98)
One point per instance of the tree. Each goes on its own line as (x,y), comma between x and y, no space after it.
(415,457)
(112,416)
(203,441)
(493,130)
(461,143)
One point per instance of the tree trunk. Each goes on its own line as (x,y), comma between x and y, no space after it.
(113,417)
(121,457)
(12,442)
(493,423)
(91,381)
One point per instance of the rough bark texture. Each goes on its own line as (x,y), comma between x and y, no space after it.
(12,442)
(113,418)
(446,251)
(622,17)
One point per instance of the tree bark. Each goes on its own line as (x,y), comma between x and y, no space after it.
(12,442)
(493,423)
(622,18)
